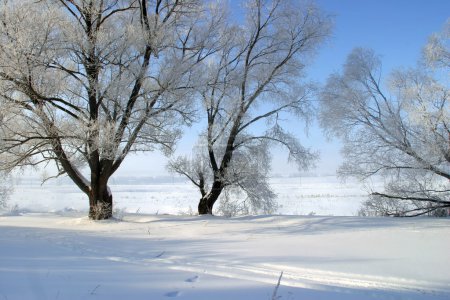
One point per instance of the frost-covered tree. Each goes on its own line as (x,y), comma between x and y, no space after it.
(399,129)
(251,84)
(5,189)
(436,52)
(85,82)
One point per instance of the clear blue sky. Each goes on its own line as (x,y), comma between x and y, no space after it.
(396,29)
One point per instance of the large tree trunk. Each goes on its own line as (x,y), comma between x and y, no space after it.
(206,204)
(100,204)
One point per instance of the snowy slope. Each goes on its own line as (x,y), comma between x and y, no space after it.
(51,256)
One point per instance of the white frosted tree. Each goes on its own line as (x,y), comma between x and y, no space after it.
(5,189)
(436,51)
(251,84)
(83,83)
(398,129)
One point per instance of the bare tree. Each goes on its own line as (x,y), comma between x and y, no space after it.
(250,85)
(399,130)
(86,82)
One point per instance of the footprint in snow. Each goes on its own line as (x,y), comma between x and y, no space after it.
(173,294)
(192,279)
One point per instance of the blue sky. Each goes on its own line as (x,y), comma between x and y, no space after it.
(396,29)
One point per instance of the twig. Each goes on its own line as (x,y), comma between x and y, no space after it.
(160,254)
(95,289)
(275,291)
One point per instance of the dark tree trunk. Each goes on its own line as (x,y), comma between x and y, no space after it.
(203,207)
(206,204)
(100,204)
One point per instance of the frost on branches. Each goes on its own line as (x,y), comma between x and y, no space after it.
(398,129)
(436,52)
(85,82)
(5,189)
(250,85)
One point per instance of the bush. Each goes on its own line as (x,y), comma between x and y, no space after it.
(6,189)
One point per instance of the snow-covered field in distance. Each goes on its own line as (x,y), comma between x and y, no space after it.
(321,195)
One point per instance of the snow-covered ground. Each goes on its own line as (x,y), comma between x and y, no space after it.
(54,252)
(54,256)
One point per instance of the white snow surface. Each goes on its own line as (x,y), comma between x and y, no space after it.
(156,250)
(325,195)
(143,256)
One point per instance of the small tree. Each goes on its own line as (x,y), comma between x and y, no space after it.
(400,131)
(85,82)
(5,189)
(250,85)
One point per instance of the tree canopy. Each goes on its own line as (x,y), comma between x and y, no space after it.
(85,82)
(398,128)
(254,81)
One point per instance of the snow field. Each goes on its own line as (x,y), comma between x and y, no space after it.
(66,256)
(50,250)
(296,196)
